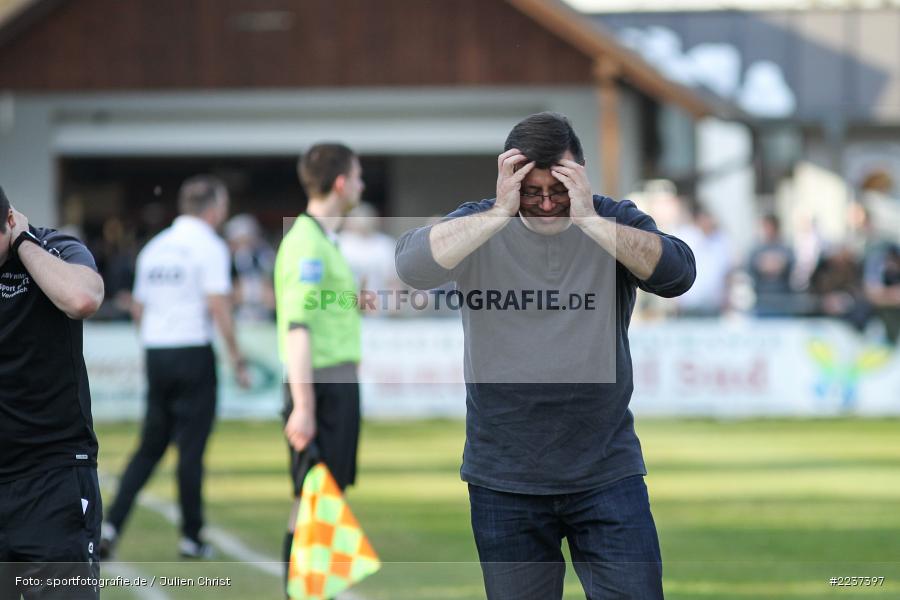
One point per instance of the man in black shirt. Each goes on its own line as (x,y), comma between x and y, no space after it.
(50,509)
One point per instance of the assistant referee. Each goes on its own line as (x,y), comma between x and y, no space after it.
(319,335)
(182,285)
(50,507)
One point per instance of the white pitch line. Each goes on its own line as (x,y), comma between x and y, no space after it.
(128,572)
(226,542)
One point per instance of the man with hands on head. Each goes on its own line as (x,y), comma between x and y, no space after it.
(551,451)
(543,200)
(50,508)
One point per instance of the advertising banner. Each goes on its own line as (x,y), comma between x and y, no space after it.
(413,368)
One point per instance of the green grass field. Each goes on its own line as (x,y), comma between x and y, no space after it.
(745,510)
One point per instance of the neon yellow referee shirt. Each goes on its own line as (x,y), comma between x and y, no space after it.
(315,288)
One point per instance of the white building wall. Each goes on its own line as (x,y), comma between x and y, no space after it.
(27,167)
(724,155)
(415,122)
(631,134)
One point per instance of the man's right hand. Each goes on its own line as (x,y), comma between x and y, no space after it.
(241,372)
(509,180)
(300,428)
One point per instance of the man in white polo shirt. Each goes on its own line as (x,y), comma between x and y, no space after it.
(182,285)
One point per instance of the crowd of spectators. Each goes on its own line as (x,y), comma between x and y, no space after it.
(789,272)
(797,273)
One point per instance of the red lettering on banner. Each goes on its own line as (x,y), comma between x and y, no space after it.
(751,377)
(759,376)
(688,372)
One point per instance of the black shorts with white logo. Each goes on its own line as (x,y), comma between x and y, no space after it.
(337,426)
(49,534)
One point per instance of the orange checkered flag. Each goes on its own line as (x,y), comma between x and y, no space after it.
(330,552)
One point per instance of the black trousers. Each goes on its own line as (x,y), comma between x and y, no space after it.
(49,531)
(181,408)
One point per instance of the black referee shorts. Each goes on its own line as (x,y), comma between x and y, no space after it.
(337,427)
(49,533)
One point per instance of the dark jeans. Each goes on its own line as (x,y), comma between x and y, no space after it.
(611,535)
(181,408)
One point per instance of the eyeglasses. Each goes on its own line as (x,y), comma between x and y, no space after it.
(534,199)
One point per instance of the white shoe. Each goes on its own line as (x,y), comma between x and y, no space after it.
(108,538)
(189,548)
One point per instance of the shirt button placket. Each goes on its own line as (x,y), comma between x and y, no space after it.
(553,257)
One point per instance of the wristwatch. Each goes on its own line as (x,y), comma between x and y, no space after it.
(25,236)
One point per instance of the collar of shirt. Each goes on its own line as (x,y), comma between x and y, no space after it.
(192,222)
(332,236)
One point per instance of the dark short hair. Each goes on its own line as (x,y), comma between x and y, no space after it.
(543,138)
(4,210)
(199,193)
(321,165)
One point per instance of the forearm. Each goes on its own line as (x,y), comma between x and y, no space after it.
(639,251)
(76,290)
(452,241)
(220,307)
(299,369)
(137,312)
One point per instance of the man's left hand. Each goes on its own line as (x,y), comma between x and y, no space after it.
(20,224)
(242,375)
(574,177)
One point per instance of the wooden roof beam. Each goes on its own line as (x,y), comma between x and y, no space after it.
(600,44)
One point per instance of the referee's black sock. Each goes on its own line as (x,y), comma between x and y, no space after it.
(286,555)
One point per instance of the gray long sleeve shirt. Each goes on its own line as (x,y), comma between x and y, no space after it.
(547,363)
